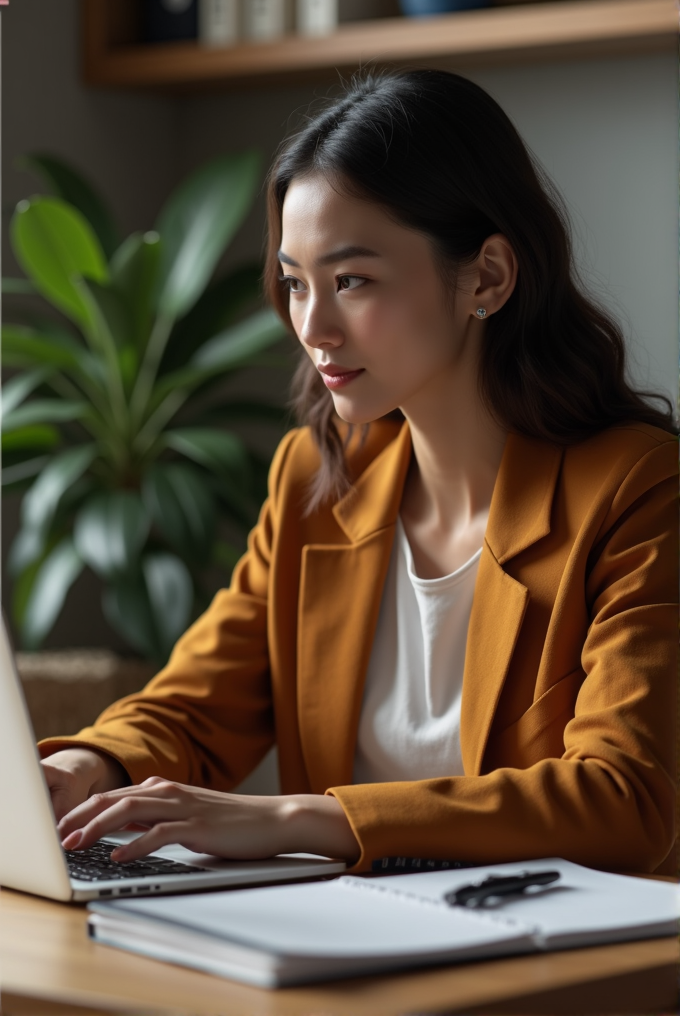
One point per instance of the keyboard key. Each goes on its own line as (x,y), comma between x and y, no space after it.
(95,864)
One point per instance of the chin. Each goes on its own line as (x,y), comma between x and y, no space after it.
(358,417)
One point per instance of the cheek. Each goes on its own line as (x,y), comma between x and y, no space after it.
(406,334)
(384,320)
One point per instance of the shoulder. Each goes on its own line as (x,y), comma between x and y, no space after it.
(631,464)
(611,455)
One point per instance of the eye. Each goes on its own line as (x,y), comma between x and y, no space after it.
(348,282)
(292,284)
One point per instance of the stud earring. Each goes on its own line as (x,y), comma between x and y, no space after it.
(481,312)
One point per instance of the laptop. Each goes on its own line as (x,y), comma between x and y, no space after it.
(33,860)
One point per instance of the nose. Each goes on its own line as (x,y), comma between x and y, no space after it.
(317,326)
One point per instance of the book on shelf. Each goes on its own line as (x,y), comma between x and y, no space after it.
(266,20)
(317,17)
(296,934)
(219,22)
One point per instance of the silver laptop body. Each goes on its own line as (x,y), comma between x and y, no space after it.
(31,855)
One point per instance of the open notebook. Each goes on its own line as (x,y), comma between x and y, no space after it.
(295,934)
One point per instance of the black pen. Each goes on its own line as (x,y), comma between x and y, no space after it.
(477,893)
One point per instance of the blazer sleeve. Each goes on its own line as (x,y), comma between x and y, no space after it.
(207,718)
(609,801)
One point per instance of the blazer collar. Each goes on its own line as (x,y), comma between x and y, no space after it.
(373,502)
(522,499)
(520,507)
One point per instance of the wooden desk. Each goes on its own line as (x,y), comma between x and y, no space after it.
(50,968)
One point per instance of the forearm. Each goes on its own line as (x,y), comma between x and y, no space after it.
(207,821)
(561,808)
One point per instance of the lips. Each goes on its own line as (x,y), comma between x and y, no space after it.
(334,376)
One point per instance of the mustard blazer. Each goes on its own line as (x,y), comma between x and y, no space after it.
(569,694)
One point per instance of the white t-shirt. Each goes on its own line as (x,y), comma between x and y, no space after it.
(409,728)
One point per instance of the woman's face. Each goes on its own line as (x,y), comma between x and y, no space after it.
(368,302)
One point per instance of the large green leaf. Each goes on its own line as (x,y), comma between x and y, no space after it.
(51,583)
(20,387)
(110,531)
(17,474)
(134,271)
(67,183)
(23,347)
(109,335)
(217,450)
(183,507)
(220,306)
(230,350)
(235,346)
(128,610)
(59,482)
(36,436)
(26,347)
(56,247)
(42,500)
(153,608)
(44,411)
(111,311)
(171,593)
(198,223)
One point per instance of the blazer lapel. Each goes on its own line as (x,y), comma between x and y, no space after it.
(519,516)
(340,594)
(497,614)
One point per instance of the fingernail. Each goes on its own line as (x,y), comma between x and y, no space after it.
(72,840)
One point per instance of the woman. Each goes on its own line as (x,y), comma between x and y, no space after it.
(470,432)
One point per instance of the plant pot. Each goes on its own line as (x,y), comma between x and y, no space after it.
(429,8)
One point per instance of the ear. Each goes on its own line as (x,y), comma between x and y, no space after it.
(496,274)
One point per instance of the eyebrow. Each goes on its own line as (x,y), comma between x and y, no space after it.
(341,254)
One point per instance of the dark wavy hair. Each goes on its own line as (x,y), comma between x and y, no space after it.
(442,157)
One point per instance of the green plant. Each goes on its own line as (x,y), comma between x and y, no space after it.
(114,425)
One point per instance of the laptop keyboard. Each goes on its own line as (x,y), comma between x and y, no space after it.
(95,864)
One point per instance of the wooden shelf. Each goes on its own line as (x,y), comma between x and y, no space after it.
(565,29)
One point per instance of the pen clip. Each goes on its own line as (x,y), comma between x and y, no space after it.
(477,893)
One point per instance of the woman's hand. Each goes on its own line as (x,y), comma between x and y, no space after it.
(75,773)
(207,821)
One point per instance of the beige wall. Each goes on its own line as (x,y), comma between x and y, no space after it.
(607,133)
(605,130)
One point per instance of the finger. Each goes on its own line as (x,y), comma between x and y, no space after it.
(159,836)
(144,811)
(83,813)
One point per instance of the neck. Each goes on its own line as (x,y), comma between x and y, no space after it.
(457,450)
